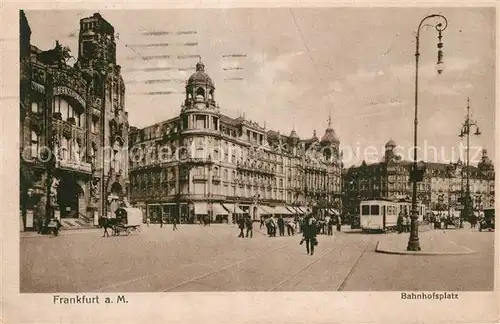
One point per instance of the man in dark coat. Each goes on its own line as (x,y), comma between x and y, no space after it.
(400,222)
(249,226)
(241,226)
(281,226)
(310,231)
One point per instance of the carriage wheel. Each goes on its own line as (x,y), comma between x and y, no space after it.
(138,229)
(128,230)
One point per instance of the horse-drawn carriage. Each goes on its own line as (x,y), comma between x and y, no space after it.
(127,220)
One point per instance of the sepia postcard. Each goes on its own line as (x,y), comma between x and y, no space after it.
(224,162)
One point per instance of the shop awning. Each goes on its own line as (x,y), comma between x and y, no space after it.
(265,210)
(301,210)
(295,210)
(272,210)
(281,210)
(200,208)
(219,210)
(233,209)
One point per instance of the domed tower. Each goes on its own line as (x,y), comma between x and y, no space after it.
(390,145)
(330,140)
(486,163)
(315,137)
(389,150)
(200,110)
(293,141)
(200,88)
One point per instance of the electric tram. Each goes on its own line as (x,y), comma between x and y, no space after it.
(381,214)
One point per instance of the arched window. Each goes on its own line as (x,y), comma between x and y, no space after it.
(200,93)
(225,174)
(34,144)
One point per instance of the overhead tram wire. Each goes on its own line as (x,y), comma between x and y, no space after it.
(307,50)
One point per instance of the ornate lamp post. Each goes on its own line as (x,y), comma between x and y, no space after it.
(416,174)
(465,132)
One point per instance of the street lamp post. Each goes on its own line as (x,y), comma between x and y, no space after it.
(465,131)
(413,242)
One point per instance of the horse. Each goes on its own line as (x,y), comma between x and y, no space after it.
(108,223)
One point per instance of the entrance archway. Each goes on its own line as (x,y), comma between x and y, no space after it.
(70,196)
(116,189)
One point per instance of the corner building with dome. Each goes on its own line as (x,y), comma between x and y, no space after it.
(202,164)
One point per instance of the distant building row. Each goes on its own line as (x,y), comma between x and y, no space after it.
(443,187)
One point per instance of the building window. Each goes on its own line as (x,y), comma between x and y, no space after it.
(34,144)
(35,107)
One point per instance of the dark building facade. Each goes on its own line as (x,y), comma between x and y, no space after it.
(442,188)
(73,127)
(202,163)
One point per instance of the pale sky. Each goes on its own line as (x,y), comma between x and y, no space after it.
(301,64)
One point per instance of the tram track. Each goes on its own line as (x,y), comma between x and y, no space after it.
(224,268)
(343,283)
(301,269)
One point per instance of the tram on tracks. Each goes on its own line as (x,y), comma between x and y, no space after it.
(381,214)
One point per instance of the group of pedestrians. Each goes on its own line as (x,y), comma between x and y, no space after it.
(245,223)
(326,226)
(403,222)
(277,226)
(174,222)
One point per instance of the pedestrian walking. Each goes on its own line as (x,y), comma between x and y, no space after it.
(290,227)
(272,224)
(161,220)
(407,223)
(39,224)
(339,223)
(261,223)
(56,225)
(400,223)
(174,223)
(473,220)
(281,226)
(241,225)
(249,226)
(148,221)
(309,231)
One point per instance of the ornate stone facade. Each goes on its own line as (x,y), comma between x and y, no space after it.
(192,164)
(69,114)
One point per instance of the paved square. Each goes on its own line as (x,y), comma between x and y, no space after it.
(197,258)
